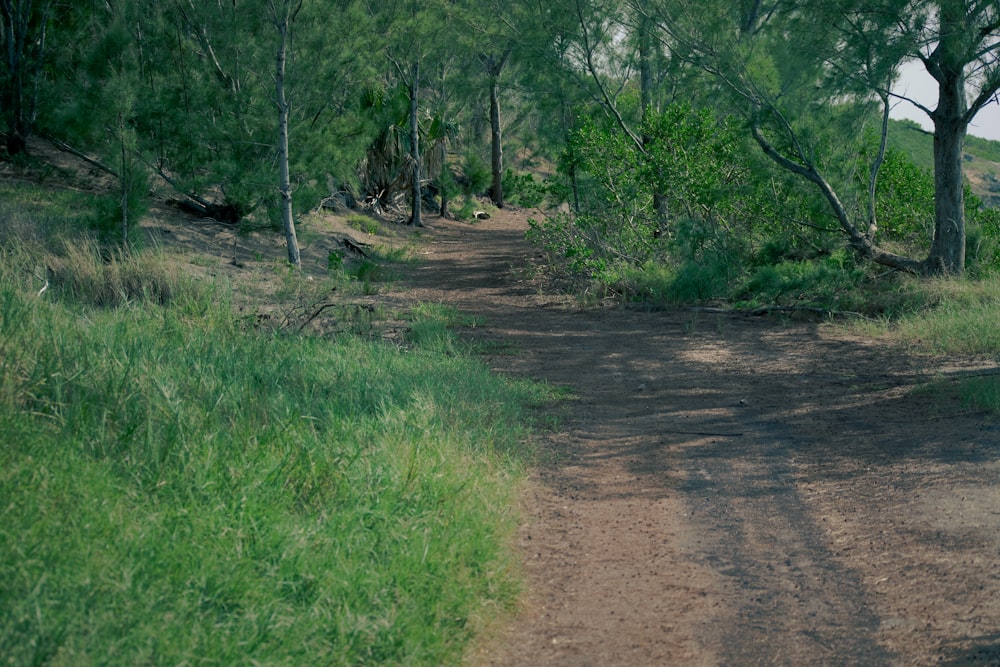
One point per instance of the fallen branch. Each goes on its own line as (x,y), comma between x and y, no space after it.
(66,148)
(353,246)
(315,314)
(767,310)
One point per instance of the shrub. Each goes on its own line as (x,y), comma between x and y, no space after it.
(477,174)
(523,190)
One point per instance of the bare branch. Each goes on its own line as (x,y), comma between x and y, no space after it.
(876,166)
(861,244)
(201,33)
(926,110)
(608,101)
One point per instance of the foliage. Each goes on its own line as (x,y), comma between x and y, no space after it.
(476,174)
(904,204)
(691,197)
(521,189)
(983,239)
(831,282)
(722,231)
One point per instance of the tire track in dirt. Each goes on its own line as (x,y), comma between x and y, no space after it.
(728,491)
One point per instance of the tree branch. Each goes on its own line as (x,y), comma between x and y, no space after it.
(66,148)
(609,103)
(876,166)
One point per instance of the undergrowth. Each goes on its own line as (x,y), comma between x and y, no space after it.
(953,316)
(179,488)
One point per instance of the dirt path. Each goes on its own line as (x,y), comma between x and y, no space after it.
(733,490)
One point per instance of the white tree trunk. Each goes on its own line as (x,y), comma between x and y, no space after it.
(281,22)
(415,145)
(496,156)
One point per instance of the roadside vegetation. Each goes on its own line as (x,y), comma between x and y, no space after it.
(179,486)
(181,481)
(723,237)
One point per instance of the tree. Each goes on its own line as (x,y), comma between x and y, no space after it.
(283,15)
(221,82)
(103,113)
(412,30)
(495,30)
(494,65)
(958,42)
(24,25)
(791,63)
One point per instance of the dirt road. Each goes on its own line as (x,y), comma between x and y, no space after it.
(732,490)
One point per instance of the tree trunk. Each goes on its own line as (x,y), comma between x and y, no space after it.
(415,146)
(444,180)
(948,248)
(284,180)
(24,37)
(645,65)
(494,67)
(496,155)
(946,65)
(126,186)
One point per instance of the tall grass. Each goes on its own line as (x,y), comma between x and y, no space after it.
(177,490)
(955,317)
(947,316)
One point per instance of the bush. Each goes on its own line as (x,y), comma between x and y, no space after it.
(477,174)
(819,282)
(691,199)
(523,190)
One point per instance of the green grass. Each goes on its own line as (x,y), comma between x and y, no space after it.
(364,223)
(954,317)
(432,326)
(177,489)
(947,316)
(984,149)
(908,137)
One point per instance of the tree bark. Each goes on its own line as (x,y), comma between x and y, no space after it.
(860,242)
(415,218)
(947,65)
(948,247)
(496,154)
(284,180)
(661,207)
(494,67)
(444,180)
(645,65)
(126,186)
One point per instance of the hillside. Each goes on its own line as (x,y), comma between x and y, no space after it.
(982,158)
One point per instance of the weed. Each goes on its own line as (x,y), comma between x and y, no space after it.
(363,223)
(432,327)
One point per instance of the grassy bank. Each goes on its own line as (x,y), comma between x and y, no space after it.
(951,317)
(176,488)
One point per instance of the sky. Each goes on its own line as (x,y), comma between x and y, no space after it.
(915,82)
